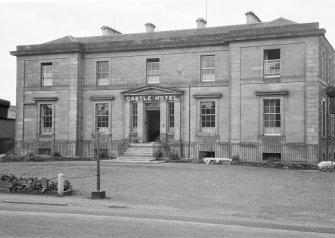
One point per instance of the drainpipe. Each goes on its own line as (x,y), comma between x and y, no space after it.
(189,120)
(327,131)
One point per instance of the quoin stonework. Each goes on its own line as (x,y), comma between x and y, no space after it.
(256,90)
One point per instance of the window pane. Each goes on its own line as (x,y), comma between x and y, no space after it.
(272,116)
(207,68)
(102,117)
(47,74)
(46,118)
(134,117)
(102,72)
(171,114)
(207,114)
(153,66)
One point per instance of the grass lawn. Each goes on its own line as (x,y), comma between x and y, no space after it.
(216,189)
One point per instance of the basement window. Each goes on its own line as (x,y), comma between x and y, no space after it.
(275,156)
(103,153)
(44,151)
(206,154)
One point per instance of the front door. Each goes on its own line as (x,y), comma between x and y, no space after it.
(153,129)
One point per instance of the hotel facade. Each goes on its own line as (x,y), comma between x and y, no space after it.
(255,90)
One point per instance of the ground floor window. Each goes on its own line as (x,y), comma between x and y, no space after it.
(171,114)
(133,117)
(207,114)
(46,119)
(272,117)
(102,117)
(332,125)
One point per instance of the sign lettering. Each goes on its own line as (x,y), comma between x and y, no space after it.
(149,98)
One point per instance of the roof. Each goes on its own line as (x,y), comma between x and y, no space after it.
(280,27)
(175,33)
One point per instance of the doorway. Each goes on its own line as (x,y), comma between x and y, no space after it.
(153,129)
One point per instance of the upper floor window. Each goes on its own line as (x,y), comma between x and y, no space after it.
(329,73)
(46,118)
(47,74)
(207,114)
(133,117)
(207,68)
(171,114)
(272,63)
(102,117)
(153,70)
(102,73)
(323,59)
(272,117)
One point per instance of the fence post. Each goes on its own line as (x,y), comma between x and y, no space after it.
(60,185)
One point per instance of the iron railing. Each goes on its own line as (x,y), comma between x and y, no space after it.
(244,151)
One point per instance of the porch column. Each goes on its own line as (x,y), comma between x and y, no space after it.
(163,120)
(140,122)
(126,119)
(177,120)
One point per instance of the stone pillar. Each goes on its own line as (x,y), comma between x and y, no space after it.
(126,117)
(177,114)
(163,121)
(140,122)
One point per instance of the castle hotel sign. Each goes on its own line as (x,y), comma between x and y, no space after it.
(150,98)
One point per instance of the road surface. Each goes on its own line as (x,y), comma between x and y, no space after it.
(22,216)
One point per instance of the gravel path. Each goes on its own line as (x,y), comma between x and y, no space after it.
(217,189)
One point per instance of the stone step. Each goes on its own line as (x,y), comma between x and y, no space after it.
(142,144)
(136,157)
(135,161)
(140,149)
(135,154)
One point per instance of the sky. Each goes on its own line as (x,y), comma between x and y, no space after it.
(35,22)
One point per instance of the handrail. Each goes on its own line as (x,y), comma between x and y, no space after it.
(156,146)
(125,143)
(10,141)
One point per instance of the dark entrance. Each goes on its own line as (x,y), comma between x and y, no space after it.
(153,119)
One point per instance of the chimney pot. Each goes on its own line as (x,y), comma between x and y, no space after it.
(150,27)
(201,23)
(252,18)
(108,31)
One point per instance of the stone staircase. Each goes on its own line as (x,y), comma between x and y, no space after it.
(137,153)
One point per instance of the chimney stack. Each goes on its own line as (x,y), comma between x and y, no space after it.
(108,31)
(252,18)
(201,23)
(150,27)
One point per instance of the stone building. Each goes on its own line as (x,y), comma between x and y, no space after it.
(255,90)
(7,127)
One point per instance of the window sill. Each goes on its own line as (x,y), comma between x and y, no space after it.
(272,79)
(272,139)
(95,134)
(271,76)
(45,135)
(206,134)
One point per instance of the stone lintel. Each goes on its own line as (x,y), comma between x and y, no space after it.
(101,98)
(216,95)
(271,93)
